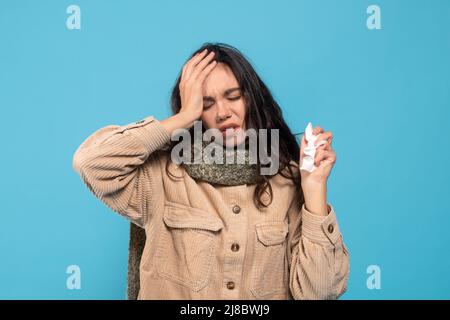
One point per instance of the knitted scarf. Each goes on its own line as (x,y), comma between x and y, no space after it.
(239,169)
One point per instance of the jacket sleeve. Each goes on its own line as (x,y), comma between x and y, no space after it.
(318,259)
(119,166)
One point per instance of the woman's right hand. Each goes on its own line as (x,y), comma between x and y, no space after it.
(191,83)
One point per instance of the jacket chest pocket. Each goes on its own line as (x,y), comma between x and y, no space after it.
(186,245)
(270,270)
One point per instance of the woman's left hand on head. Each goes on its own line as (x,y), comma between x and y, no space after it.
(324,160)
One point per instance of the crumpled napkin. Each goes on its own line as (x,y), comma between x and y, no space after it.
(310,149)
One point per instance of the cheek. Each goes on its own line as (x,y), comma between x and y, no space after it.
(207,120)
(240,109)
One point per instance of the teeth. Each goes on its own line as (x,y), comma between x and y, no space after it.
(230,128)
(229,131)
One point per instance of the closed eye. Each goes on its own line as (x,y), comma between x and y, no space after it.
(207,103)
(206,106)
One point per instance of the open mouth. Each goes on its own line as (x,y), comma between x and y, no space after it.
(230,131)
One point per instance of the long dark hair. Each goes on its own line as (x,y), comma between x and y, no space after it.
(262,112)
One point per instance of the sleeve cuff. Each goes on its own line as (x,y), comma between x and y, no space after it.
(320,229)
(150,131)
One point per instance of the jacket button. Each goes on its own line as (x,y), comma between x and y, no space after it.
(330,228)
(230,285)
(236,209)
(235,247)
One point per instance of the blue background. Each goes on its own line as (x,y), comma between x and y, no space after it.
(385,95)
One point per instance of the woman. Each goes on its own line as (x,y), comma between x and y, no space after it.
(221,231)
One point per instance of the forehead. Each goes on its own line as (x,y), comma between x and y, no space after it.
(218,80)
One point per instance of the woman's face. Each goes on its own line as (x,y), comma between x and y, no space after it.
(224,105)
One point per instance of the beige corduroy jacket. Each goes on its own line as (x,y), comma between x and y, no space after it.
(211,242)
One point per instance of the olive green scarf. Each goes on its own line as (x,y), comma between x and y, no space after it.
(239,170)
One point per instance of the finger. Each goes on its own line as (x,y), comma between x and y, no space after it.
(317,130)
(330,160)
(325,146)
(183,72)
(201,65)
(324,155)
(193,62)
(320,156)
(207,70)
(328,135)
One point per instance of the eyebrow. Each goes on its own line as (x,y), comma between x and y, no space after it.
(225,93)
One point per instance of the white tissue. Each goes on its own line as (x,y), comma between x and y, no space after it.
(310,149)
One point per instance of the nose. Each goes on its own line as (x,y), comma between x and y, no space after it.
(223,111)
